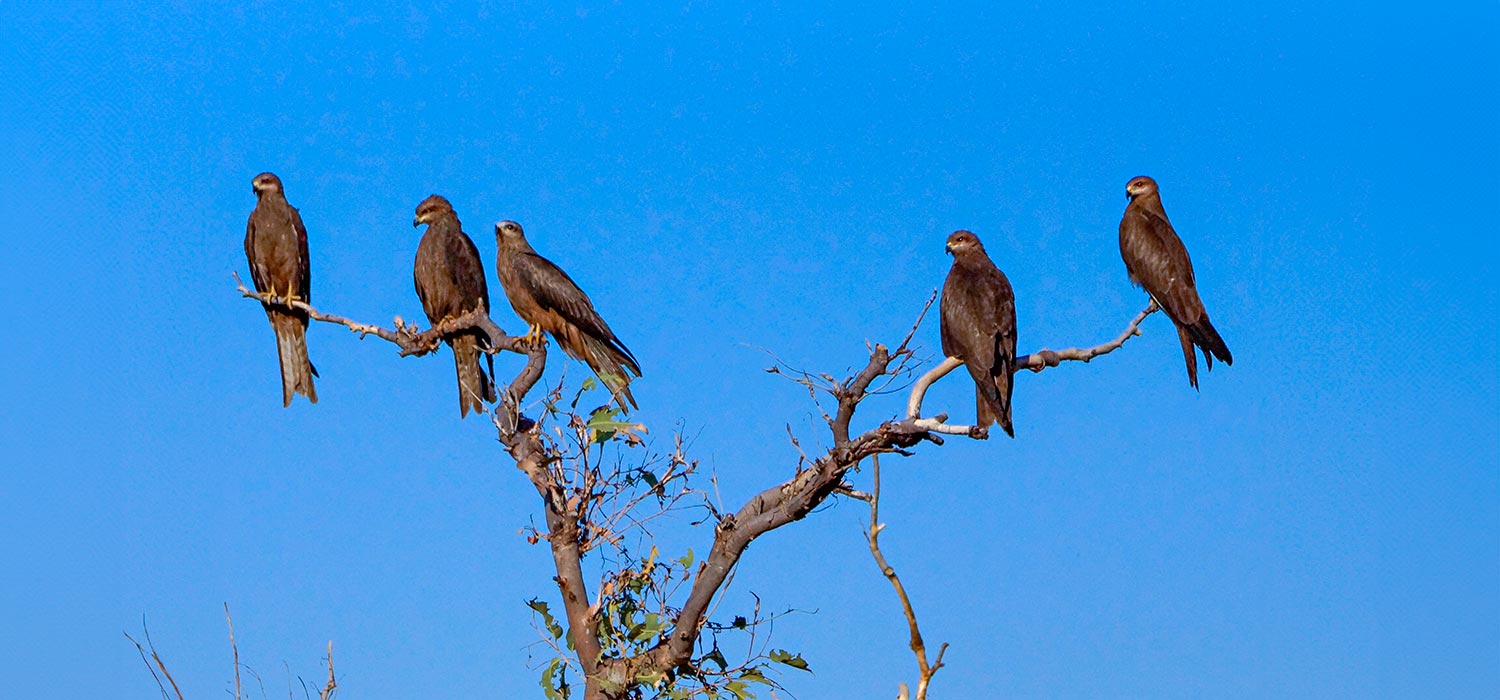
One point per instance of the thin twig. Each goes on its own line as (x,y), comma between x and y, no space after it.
(1045,358)
(328,689)
(919,649)
(235,647)
(157,658)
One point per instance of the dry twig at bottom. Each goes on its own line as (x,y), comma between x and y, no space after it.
(925,671)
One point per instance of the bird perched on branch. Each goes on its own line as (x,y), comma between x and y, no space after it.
(548,300)
(1158,262)
(979,327)
(450,281)
(276,247)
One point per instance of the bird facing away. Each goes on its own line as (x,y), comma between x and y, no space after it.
(450,281)
(979,327)
(548,300)
(1158,262)
(276,246)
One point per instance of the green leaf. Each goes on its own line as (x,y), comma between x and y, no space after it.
(781,656)
(540,607)
(589,384)
(554,682)
(739,690)
(648,629)
(687,560)
(754,675)
(605,422)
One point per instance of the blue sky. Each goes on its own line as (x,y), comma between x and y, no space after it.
(1321,520)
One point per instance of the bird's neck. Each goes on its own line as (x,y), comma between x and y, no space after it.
(446,224)
(970,258)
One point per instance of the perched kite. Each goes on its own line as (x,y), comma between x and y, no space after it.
(276,246)
(1157,261)
(548,300)
(979,326)
(450,281)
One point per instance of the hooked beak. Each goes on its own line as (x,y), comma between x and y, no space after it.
(416,222)
(948,248)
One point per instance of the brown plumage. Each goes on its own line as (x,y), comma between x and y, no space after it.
(276,246)
(548,300)
(450,281)
(1158,262)
(979,327)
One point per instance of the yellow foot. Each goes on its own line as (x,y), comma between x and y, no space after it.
(533,337)
(291,295)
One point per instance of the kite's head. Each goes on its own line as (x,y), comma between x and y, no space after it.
(430,208)
(266,182)
(509,234)
(961,241)
(1138,186)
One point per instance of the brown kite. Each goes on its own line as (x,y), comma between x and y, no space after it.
(450,281)
(276,246)
(548,300)
(979,326)
(1158,262)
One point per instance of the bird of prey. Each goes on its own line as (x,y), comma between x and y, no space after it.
(548,300)
(979,326)
(450,281)
(1158,262)
(276,246)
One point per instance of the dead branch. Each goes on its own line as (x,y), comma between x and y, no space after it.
(159,664)
(406,336)
(1045,358)
(1035,362)
(328,689)
(236,649)
(925,671)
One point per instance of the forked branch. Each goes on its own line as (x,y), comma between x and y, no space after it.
(1036,362)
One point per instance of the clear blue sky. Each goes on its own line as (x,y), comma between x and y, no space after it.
(1322,520)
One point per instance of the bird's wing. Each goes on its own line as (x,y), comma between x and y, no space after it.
(259,276)
(302,257)
(1159,261)
(466,270)
(553,290)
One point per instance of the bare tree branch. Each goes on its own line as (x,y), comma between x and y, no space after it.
(327,691)
(925,672)
(1035,362)
(406,336)
(1045,358)
(236,649)
(159,664)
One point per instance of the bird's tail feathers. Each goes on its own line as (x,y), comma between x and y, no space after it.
(1207,337)
(474,387)
(297,371)
(1002,390)
(613,367)
(992,402)
(1183,334)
